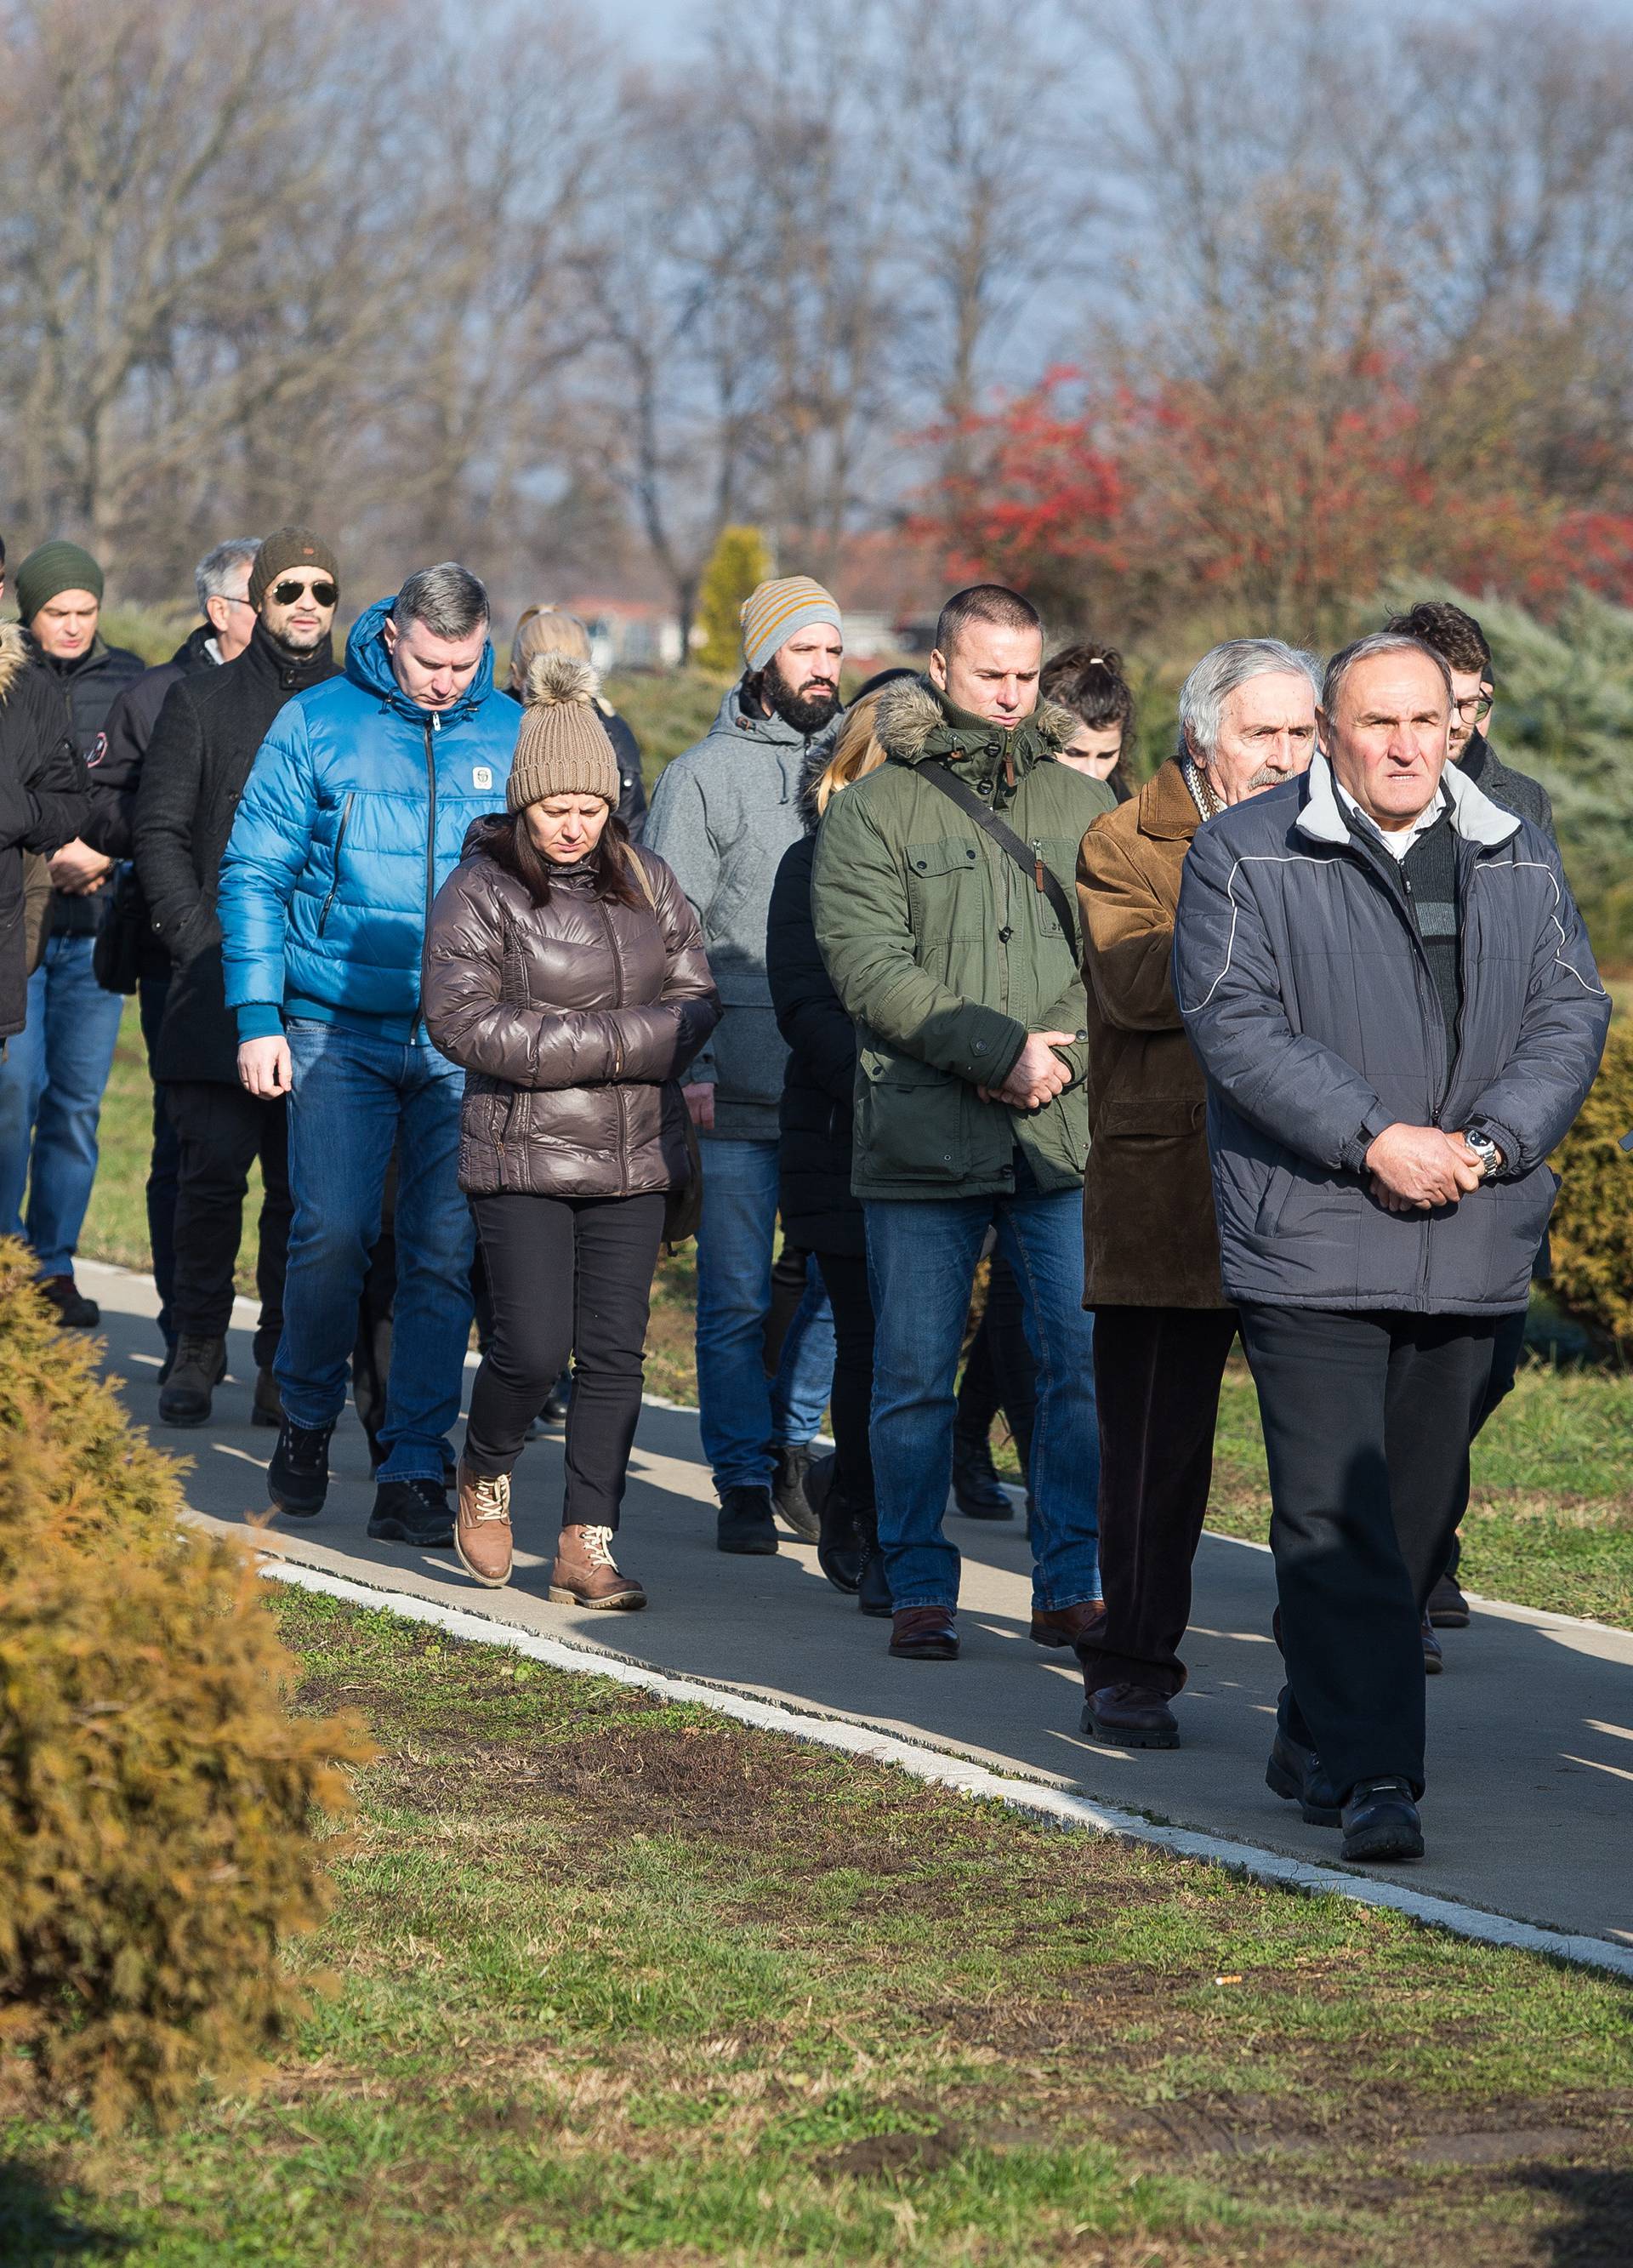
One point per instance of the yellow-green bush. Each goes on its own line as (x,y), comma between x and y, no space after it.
(1592,1227)
(161,1810)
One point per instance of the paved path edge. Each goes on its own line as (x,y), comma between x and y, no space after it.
(973,1779)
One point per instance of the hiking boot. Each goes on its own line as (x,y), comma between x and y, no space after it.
(794,1507)
(924,1634)
(168,1364)
(1065,1625)
(74,1311)
(1381,1821)
(745,1525)
(873,1584)
(200,1365)
(977,1491)
(586,1573)
(412,1512)
(1295,1774)
(267,1409)
(1434,1660)
(1130,1717)
(481,1534)
(297,1478)
(1448,1609)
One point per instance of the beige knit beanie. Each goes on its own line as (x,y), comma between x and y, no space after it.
(562,747)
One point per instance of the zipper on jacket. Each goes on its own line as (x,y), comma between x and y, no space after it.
(432,726)
(340,837)
(618,1001)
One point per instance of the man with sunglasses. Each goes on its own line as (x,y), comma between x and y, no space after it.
(197,763)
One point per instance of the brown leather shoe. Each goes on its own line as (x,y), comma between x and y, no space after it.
(482,1530)
(585,1575)
(924,1634)
(1130,1717)
(1065,1625)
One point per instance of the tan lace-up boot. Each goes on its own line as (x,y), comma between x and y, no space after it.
(585,1575)
(482,1533)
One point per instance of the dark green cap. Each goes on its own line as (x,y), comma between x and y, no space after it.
(51,569)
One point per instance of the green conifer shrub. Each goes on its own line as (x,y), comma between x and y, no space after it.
(162,1812)
(1591,1233)
(737,564)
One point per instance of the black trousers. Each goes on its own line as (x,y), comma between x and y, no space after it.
(1507,1346)
(221,1131)
(1157,1377)
(567,1276)
(1367,1421)
(152,993)
(1000,1373)
(850,1399)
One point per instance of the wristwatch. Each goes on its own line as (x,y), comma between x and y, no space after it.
(1486,1150)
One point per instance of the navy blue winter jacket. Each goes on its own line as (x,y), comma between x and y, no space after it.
(355,816)
(1307,993)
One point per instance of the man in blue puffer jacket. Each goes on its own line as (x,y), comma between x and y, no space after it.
(354,814)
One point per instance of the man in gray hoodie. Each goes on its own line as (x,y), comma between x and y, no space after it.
(723,814)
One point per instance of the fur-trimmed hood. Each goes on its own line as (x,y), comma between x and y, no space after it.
(917,723)
(14,657)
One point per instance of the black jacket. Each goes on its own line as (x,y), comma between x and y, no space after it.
(1511,791)
(627,748)
(818,1081)
(85,690)
(197,762)
(43,802)
(115,760)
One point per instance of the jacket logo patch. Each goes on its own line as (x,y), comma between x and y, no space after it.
(99,749)
(482,775)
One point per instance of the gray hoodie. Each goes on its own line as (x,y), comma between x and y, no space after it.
(723,814)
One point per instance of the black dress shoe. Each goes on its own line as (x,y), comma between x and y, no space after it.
(1295,1775)
(1448,1609)
(745,1525)
(977,1491)
(1130,1717)
(873,1587)
(555,1401)
(415,1512)
(838,1538)
(924,1634)
(790,1490)
(1381,1821)
(297,1478)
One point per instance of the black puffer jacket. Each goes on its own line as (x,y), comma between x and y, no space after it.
(43,802)
(569,1018)
(202,747)
(818,1082)
(85,689)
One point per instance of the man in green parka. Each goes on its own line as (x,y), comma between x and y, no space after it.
(944,904)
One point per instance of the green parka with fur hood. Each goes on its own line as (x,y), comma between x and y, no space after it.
(948,956)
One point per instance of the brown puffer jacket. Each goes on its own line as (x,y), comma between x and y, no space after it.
(569,1019)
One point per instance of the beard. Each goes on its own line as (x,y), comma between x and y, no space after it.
(808,708)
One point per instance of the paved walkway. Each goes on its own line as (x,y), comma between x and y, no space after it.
(1530,1807)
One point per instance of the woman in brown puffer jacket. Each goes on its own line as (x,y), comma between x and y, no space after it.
(564,969)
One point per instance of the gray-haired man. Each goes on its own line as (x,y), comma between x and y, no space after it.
(1163,1326)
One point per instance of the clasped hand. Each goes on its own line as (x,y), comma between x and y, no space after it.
(1036,1077)
(1414,1169)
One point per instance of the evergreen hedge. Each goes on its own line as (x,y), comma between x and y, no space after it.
(1592,1234)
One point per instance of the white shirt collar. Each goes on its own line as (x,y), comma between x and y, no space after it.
(1397,841)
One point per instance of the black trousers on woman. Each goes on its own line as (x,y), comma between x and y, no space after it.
(851,1397)
(567,1276)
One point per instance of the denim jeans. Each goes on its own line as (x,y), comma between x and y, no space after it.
(51,1087)
(741,1412)
(922,1258)
(355,1097)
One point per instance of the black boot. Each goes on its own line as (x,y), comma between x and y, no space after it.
(794,1507)
(745,1525)
(199,1368)
(267,1409)
(297,1478)
(872,1589)
(977,1491)
(413,1512)
(839,1544)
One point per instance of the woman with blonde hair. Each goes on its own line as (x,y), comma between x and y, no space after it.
(552,629)
(814,1160)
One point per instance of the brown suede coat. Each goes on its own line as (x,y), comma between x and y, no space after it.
(1148,1225)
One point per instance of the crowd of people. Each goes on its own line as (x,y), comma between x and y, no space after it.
(1273,1047)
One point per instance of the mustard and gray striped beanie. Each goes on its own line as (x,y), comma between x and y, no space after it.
(772,613)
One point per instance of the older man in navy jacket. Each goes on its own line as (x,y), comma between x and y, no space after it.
(1393,997)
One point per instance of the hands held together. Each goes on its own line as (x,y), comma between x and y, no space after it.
(1415,1168)
(1037,1075)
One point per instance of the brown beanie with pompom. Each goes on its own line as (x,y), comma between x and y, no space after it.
(562,747)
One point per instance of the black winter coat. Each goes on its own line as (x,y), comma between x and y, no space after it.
(115,759)
(198,760)
(1511,791)
(818,1081)
(627,748)
(85,690)
(43,802)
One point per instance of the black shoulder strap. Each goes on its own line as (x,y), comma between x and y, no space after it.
(940,776)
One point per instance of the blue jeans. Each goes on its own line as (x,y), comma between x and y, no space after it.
(51,1087)
(354,1099)
(741,1412)
(922,1260)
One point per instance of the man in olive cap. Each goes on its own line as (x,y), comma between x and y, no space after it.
(52,1080)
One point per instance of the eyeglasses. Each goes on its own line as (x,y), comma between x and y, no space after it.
(1476,710)
(291,588)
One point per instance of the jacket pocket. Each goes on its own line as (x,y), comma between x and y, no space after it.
(913,1123)
(1137,1117)
(340,838)
(947,891)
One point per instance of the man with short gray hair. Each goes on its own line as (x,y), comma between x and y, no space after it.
(356,814)
(1394,1001)
(1163,1326)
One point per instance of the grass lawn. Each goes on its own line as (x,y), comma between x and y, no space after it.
(618,1980)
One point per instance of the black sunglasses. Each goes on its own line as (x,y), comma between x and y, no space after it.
(287,591)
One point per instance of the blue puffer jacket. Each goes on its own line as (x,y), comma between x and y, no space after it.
(355,816)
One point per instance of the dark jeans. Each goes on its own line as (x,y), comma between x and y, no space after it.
(1367,1420)
(1157,1376)
(221,1131)
(152,993)
(1507,1346)
(567,1276)
(851,1399)
(1000,1374)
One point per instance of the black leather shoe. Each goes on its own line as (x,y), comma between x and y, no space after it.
(1130,1717)
(297,1478)
(747,1526)
(267,1409)
(1448,1609)
(790,1492)
(977,1491)
(838,1538)
(413,1512)
(1434,1660)
(1295,1775)
(188,1394)
(924,1634)
(74,1311)
(1381,1821)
